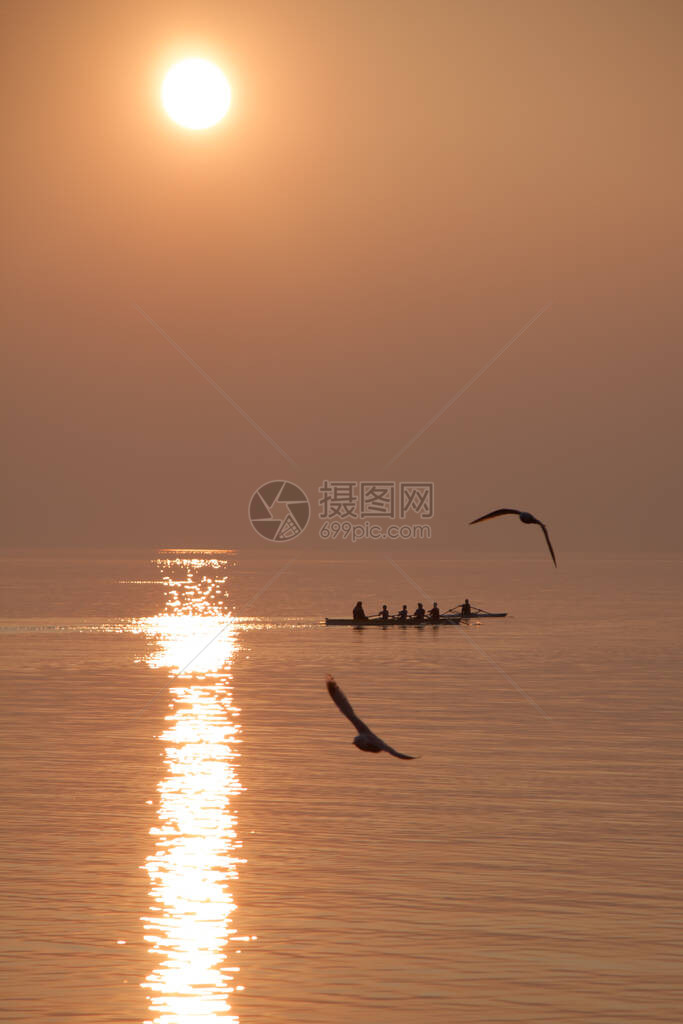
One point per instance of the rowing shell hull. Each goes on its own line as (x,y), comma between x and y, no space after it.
(443,621)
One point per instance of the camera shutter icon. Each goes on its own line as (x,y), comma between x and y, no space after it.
(279,510)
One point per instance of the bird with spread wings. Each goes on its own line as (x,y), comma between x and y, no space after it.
(366,739)
(526,517)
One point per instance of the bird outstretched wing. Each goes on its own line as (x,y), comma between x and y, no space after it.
(550,547)
(341,700)
(498,512)
(395,753)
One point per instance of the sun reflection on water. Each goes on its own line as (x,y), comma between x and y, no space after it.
(196,842)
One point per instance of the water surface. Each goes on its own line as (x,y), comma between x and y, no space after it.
(190,835)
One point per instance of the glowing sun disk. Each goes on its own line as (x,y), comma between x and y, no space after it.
(195,93)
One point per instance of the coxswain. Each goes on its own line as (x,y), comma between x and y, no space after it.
(358,613)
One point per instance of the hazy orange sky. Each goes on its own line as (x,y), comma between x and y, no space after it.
(397,189)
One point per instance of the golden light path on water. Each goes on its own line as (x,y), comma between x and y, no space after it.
(196,842)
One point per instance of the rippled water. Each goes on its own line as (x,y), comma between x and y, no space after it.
(190,836)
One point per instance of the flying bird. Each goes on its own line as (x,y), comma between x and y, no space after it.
(366,738)
(526,517)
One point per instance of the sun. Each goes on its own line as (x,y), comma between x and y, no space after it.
(195,93)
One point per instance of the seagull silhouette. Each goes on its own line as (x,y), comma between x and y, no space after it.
(526,517)
(366,738)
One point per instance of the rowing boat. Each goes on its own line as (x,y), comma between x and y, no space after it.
(446,619)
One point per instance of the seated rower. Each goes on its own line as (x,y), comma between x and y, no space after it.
(466,608)
(435,613)
(358,612)
(419,613)
(403,614)
(384,614)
